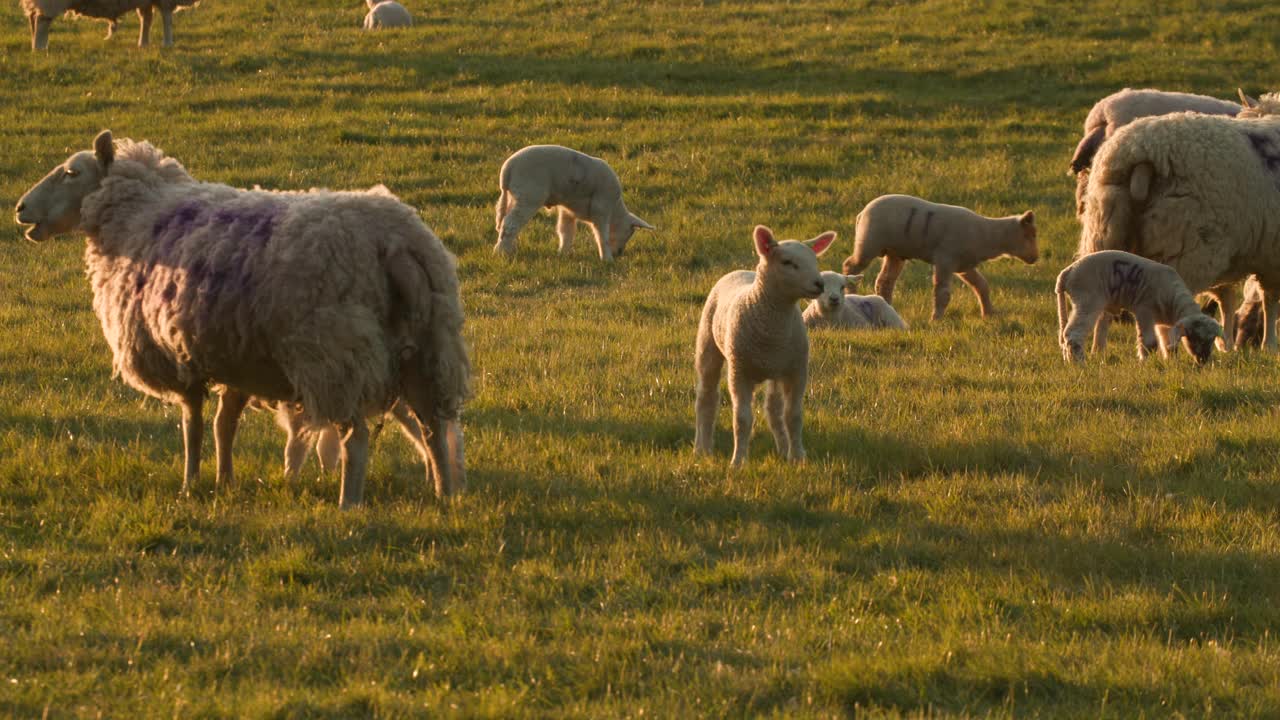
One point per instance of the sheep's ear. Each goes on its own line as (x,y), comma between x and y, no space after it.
(104,149)
(765,243)
(1245,100)
(822,242)
(1028,218)
(852,279)
(637,222)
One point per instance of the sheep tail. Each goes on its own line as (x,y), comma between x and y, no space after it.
(1059,289)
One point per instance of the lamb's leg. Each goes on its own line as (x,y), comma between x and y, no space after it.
(890,269)
(1100,332)
(740,390)
(1083,318)
(1270,309)
(774,415)
(1148,340)
(793,396)
(144,34)
(328,448)
(978,284)
(40,35)
(708,361)
(448,479)
(297,439)
(225,421)
(192,435)
(1167,345)
(166,15)
(566,227)
(355,463)
(111,28)
(941,291)
(516,218)
(412,429)
(1227,298)
(601,231)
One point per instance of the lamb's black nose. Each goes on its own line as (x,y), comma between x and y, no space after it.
(21,206)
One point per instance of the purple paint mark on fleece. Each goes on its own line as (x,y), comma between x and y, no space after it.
(253,224)
(864,307)
(1265,147)
(171,228)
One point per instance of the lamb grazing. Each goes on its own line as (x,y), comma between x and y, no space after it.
(41,13)
(1198,193)
(750,321)
(835,308)
(1106,282)
(386,14)
(953,239)
(584,188)
(341,301)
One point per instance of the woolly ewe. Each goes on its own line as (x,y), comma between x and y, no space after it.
(341,301)
(953,239)
(41,13)
(835,308)
(751,323)
(584,188)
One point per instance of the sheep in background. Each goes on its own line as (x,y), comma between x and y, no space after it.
(1121,108)
(751,323)
(1106,282)
(341,301)
(386,14)
(951,238)
(585,189)
(835,308)
(1198,193)
(41,13)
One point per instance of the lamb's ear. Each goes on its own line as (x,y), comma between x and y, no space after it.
(765,243)
(104,149)
(822,242)
(852,279)
(636,221)
(1028,218)
(1245,100)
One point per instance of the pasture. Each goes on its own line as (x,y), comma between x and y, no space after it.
(980,531)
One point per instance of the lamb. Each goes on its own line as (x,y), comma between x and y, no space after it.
(1108,281)
(41,14)
(750,321)
(386,14)
(341,301)
(1118,109)
(953,239)
(584,188)
(834,308)
(1248,317)
(1198,193)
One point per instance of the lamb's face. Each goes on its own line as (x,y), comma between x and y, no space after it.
(790,267)
(52,207)
(833,285)
(1029,252)
(621,231)
(1199,335)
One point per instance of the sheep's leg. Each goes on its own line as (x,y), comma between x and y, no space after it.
(412,429)
(166,15)
(297,439)
(978,284)
(740,390)
(773,406)
(890,269)
(1227,298)
(355,463)
(144,33)
(941,291)
(328,448)
(793,397)
(601,231)
(707,362)
(40,32)
(1270,306)
(448,479)
(1100,332)
(1148,340)
(566,227)
(225,421)
(515,219)
(111,29)
(1083,318)
(192,435)
(1167,345)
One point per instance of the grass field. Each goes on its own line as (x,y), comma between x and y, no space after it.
(980,531)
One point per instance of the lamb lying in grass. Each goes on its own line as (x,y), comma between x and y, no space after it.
(751,323)
(834,308)
(1104,283)
(584,188)
(386,14)
(953,239)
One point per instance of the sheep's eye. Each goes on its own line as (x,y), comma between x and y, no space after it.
(788,263)
(72,172)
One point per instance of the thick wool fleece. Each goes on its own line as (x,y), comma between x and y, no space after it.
(1118,109)
(312,297)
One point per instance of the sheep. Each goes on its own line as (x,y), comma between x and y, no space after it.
(835,308)
(1198,193)
(41,14)
(1248,317)
(953,239)
(1104,283)
(751,323)
(1121,108)
(584,188)
(386,14)
(340,301)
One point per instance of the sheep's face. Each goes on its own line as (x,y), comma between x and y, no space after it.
(52,207)
(621,231)
(1198,336)
(1029,250)
(833,285)
(790,267)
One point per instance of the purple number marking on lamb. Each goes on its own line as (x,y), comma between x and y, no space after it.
(865,309)
(1125,277)
(928,217)
(910,216)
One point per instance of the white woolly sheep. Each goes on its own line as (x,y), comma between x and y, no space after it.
(341,301)
(953,239)
(1121,108)
(1198,193)
(750,321)
(585,189)
(835,308)
(1110,281)
(41,14)
(386,14)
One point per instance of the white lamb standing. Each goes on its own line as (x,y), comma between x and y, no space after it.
(751,323)
(951,238)
(835,308)
(1198,193)
(584,188)
(41,14)
(386,14)
(1107,282)
(344,302)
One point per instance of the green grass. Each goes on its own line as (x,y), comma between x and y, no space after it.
(980,530)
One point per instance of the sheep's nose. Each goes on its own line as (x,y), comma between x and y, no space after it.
(21,206)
